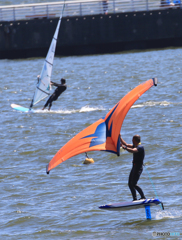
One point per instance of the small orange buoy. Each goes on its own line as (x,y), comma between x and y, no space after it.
(88,161)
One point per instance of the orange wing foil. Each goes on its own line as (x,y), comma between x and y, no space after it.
(102,135)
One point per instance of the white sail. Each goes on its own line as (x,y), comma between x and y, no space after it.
(43,85)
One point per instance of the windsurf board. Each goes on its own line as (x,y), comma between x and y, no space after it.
(20,108)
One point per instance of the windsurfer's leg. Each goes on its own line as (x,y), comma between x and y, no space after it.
(53,98)
(46,103)
(50,105)
(131,185)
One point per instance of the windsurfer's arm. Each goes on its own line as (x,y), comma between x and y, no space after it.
(55,84)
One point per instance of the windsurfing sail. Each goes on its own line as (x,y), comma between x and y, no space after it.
(103,135)
(43,82)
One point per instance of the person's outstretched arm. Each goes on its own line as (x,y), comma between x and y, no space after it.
(123,143)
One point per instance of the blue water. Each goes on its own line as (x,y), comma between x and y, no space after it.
(64,204)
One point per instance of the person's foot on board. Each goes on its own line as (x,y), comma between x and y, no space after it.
(142,198)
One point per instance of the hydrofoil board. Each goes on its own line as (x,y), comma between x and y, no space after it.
(20,108)
(131,205)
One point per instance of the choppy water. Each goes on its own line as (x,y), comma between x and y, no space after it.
(64,204)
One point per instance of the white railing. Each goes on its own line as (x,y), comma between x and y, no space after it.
(81,8)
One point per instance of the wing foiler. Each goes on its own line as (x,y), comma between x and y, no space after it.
(102,135)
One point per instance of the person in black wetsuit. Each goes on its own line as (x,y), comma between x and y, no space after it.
(138,156)
(60,88)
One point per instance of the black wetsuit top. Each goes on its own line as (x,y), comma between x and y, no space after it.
(60,88)
(138,157)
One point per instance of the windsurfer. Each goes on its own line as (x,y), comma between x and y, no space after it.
(138,156)
(60,89)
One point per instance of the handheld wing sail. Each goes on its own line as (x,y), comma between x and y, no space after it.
(102,135)
(43,85)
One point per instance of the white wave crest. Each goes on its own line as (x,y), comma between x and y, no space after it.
(172,213)
(90,109)
(83,109)
(151,104)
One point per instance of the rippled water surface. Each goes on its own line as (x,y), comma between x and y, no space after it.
(64,204)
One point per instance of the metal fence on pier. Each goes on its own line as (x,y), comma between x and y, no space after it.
(81,8)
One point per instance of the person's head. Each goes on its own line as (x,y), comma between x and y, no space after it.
(63,81)
(136,140)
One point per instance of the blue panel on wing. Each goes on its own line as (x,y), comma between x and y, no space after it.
(99,137)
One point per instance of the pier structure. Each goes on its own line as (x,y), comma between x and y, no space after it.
(89,27)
